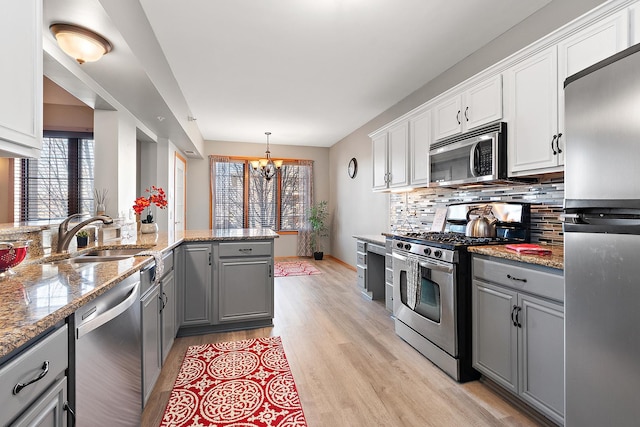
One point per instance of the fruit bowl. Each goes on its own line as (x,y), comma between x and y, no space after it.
(12,254)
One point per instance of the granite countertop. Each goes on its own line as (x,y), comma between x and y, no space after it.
(376,239)
(43,293)
(553,260)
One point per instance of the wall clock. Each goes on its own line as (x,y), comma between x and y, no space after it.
(353,167)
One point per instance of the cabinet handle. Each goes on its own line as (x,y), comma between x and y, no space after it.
(552,141)
(45,371)
(163,298)
(516,278)
(68,408)
(558,143)
(513,318)
(270,270)
(466,115)
(518,324)
(458,117)
(209,258)
(245,250)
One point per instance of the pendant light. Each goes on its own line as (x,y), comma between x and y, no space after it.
(80,43)
(266,167)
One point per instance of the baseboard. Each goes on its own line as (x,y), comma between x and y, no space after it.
(339,261)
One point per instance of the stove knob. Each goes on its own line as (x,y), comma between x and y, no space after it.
(399,245)
(427,251)
(407,246)
(437,253)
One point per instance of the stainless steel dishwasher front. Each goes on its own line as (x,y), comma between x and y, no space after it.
(108,358)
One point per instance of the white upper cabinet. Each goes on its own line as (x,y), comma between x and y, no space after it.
(419,141)
(534,92)
(532,113)
(390,157)
(480,104)
(21,78)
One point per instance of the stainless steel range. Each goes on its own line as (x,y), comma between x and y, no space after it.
(432,284)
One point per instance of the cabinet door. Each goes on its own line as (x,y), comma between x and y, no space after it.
(494,336)
(398,155)
(21,81)
(245,289)
(196,286)
(379,161)
(48,410)
(419,141)
(447,118)
(533,114)
(541,353)
(168,315)
(151,350)
(585,48)
(483,103)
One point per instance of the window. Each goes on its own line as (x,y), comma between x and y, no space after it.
(60,182)
(243,199)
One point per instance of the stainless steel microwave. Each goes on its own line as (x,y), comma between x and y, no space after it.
(476,156)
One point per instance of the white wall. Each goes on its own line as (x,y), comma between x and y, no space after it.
(198,181)
(360,211)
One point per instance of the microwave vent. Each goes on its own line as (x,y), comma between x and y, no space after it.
(492,128)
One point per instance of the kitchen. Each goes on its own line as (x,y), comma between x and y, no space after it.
(351,200)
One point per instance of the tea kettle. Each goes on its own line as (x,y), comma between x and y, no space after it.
(481,226)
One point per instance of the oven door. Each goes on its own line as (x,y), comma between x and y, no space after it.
(434,316)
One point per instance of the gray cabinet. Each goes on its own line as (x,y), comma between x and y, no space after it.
(196,285)
(41,370)
(388,275)
(245,282)
(518,331)
(371,268)
(168,318)
(150,306)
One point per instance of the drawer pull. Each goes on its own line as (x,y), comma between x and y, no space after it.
(45,371)
(516,278)
(245,250)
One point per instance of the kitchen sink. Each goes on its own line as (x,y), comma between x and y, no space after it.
(122,252)
(86,259)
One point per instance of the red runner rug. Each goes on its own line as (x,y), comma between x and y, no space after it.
(241,383)
(294,268)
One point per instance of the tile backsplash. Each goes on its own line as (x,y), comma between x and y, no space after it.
(415,210)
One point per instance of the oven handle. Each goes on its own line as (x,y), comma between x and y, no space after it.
(427,263)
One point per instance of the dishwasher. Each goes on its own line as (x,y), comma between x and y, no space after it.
(108,378)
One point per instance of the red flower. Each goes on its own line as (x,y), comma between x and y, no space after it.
(157,196)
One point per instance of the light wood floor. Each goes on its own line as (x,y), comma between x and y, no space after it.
(350,367)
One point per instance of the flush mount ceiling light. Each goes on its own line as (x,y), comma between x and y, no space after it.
(266,167)
(80,43)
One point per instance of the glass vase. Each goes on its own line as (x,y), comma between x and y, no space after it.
(148,228)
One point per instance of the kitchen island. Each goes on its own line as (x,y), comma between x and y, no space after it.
(46,290)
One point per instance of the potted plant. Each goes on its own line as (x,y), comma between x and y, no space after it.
(317,215)
(157,197)
(82,237)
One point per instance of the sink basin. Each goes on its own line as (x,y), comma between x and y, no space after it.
(86,259)
(122,252)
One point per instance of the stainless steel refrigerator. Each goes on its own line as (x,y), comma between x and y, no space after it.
(602,243)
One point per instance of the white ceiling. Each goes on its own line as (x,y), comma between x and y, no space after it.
(309,71)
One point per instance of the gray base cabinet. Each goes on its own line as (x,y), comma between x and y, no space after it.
(518,331)
(168,318)
(197,285)
(41,369)
(246,289)
(150,305)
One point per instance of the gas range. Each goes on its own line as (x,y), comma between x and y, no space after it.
(443,246)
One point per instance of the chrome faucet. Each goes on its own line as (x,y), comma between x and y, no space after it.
(65,236)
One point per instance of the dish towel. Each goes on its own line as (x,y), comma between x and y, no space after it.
(413,281)
(529,249)
(159,264)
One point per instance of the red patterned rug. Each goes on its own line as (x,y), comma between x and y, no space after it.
(241,383)
(294,268)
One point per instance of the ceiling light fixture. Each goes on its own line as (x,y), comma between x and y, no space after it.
(266,167)
(80,43)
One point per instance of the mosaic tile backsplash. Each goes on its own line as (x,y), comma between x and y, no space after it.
(415,210)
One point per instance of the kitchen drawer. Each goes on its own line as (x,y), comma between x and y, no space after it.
(29,365)
(167,261)
(362,274)
(361,259)
(388,276)
(361,246)
(236,249)
(388,297)
(376,249)
(536,280)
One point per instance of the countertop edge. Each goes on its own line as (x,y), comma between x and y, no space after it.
(553,260)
